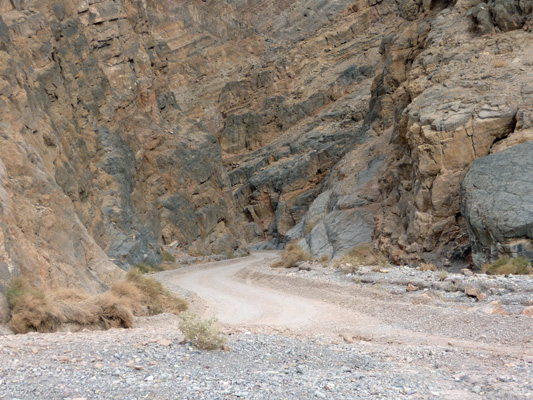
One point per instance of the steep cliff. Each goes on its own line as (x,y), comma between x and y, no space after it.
(130,125)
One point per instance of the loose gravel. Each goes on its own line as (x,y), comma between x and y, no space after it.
(142,363)
(430,344)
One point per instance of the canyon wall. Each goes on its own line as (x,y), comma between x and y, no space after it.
(128,126)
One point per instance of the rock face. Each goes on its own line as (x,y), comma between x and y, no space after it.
(95,171)
(496,203)
(127,126)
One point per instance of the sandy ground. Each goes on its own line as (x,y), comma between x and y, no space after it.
(293,335)
(246,294)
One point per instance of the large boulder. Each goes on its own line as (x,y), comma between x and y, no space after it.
(506,15)
(496,202)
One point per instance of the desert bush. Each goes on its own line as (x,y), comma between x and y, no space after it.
(33,309)
(156,298)
(113,312)
(508,266)
(30,309)
(74,306)
(202,333)
(361,254)
(427,267)
(167,257)
(148,269)
(442,275)
(291,256)
(323,259)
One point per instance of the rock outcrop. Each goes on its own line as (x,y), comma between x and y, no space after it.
(95,169)
(127,126)
(496,203)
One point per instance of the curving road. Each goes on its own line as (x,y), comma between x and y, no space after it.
(245,294)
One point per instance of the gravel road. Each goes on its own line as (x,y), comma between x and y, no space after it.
(308,335)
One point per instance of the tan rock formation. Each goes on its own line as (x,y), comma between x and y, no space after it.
(128,125)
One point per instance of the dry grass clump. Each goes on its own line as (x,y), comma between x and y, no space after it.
(508,266)
(30,309)
(361,254)
(442,275)
(156,298)
(202,333)
(324,259)
(148,269)
(36,310)
(292,255)
(427,267)
(167,257)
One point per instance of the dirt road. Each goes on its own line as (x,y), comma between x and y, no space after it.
(247,294)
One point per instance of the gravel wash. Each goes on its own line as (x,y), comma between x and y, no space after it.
(152,362)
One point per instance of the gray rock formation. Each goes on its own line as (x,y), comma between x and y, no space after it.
(4,309)
(506,15)
(496,203)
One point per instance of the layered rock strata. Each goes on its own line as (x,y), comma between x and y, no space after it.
(130,126)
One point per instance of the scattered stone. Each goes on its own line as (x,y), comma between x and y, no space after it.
(472,291)
(499,311)
(411,288)
(528,311)
(347,338)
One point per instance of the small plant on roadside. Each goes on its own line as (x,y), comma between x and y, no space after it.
(34,309)
(427,267)
(361,254)
(324,259)
(156,298)
(292,255)
(147,269)
(167,257)
(30,309)
(202,333)
(508,266)
(452,287)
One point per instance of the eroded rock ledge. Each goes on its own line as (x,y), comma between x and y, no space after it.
(127,126)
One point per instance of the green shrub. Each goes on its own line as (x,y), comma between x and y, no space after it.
(147,269)
(202,333)
(167,257)
(508,266)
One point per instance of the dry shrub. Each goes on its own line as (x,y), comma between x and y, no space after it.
(148,269)
(292,255)
(361,254)
(30,309)
(113,312)
(167,257)
(202,333)
(130,295)
(324,259)
(427,267)
(75,306)
(156,298)
(508,266)
(442,275)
